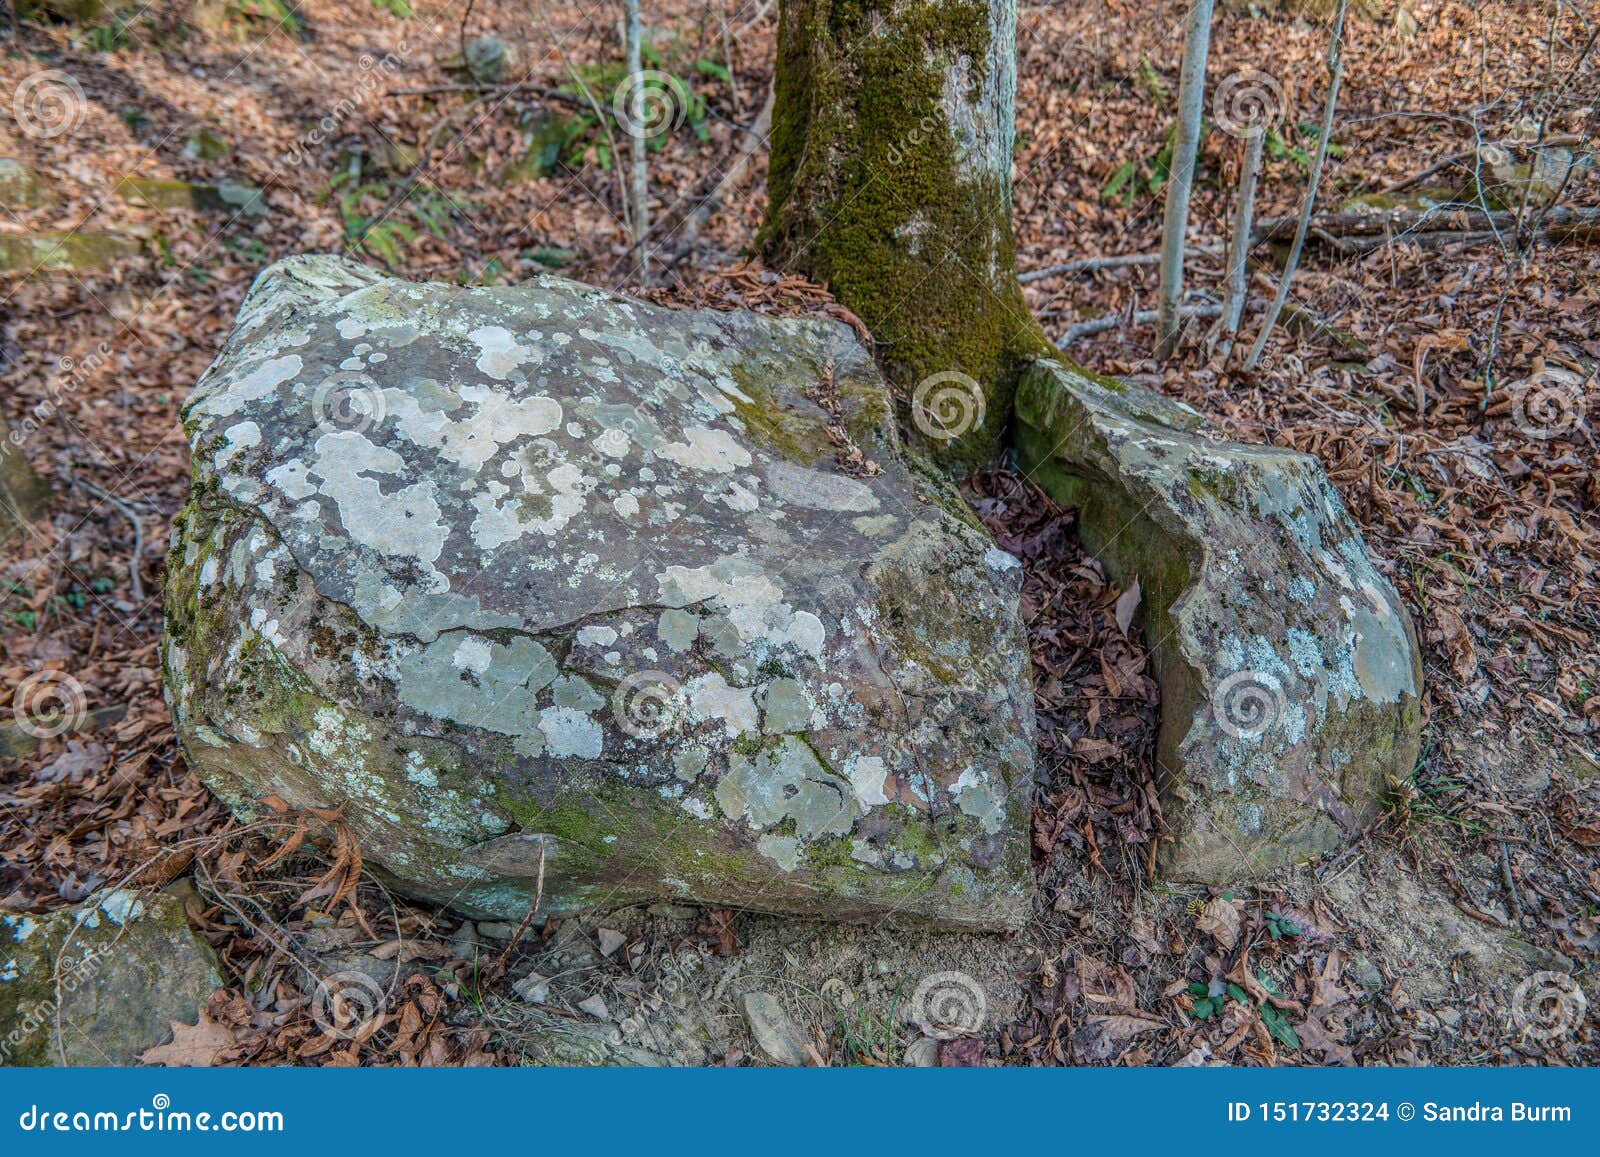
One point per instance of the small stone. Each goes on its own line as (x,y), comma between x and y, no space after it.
(206,145)
(533,988)
(464,942)
(488,59)
(922,1053)
(496,929)
(224,197)
(610,941)
(20,186)
(1364,973)
(776,1035)
(595,1006)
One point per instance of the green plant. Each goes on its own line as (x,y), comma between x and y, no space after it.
(379,224)
(863,1039)
(1135,177)
(394,7)
(1280,149)
(1420,799)
(112,36)
(272,12)
(1279,927)
(1206,1006)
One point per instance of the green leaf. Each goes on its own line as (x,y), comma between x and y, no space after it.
(1119,180)
(1279,1027)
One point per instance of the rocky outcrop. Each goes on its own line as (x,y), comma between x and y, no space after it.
(100,983)
(541,582)
(1289,671)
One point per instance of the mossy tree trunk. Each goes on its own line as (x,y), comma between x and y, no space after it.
(890,180)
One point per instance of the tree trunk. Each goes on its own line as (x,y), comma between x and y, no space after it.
(1185,144)
(890,181)
(639,181)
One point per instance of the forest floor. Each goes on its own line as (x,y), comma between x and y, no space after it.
(1448,389)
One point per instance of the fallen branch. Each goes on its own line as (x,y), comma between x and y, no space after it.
(1091,264)
(1143,317)
(1444,219)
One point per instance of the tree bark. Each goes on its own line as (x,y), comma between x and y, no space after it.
(639,183)
(890,181)
(1185,144)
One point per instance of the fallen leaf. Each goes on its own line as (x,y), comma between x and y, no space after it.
(1127,604)
(195,1046)
(1220,920)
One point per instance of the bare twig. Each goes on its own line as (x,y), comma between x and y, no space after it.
(1239,246)
(1090,264)
(1335,72)
(499,965)
(135,583)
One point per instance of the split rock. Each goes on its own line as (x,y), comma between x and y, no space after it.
(1289,670)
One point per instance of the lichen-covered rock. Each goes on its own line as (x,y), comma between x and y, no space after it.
(112,973)
(32,253)
(1289,671)
(226,197)
(544,579)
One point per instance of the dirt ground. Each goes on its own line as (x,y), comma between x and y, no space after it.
(1449,388)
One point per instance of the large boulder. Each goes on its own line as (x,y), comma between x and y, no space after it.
(1289,671)
(549,586)
(102,982)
